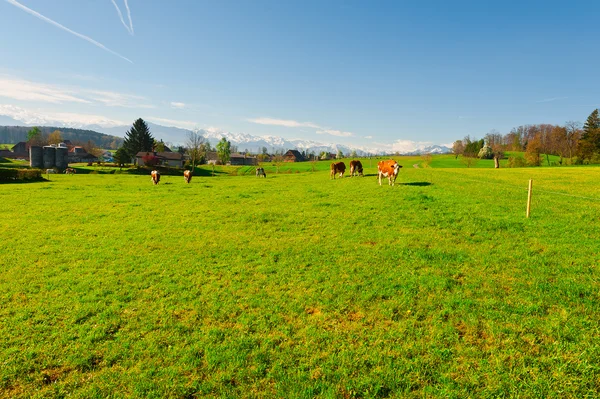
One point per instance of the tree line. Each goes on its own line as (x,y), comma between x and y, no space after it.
(571,142)
(15,134)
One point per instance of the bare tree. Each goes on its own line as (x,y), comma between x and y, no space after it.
(493,138)
(498,151)
(55,137)
(194,148)
(534,150)
(546,142)
(573,134)
(458,148)
(558,140)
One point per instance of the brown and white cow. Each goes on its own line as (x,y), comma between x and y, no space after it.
(388,169)
(187,175)
(356,167)
(261,172)
(70,171)
(155,176)
(336,168)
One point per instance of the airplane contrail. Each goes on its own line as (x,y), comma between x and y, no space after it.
(129,16)
(130,27)
(84,37)
(120,15)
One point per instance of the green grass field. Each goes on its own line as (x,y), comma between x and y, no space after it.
(301,286)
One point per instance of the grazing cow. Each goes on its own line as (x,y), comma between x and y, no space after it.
(260,172)
(388,169)
(50,171)
(70,171)
(356,167)
(336,168)
(187,175)
(155,176)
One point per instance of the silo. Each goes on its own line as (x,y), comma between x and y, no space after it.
(62,158)
(36,159)
(49,156)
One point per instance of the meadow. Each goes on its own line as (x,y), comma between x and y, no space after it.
(299,286)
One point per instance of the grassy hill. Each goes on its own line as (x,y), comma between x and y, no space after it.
(301,286)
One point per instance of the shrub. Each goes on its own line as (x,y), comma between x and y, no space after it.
(486,152)
(7,174)
(577,161)
(516,162)
(150,160)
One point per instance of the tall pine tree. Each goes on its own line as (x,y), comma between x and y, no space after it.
(138,138)
(590,139)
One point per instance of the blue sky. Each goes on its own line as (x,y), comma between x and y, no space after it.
(371,73)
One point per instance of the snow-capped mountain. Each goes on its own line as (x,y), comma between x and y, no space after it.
(243,141)
(433,149)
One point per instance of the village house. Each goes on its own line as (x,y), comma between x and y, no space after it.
(167,158)
(6,154)
(212,158)
(79,154)
(20,150)
(242,159)
(293,156)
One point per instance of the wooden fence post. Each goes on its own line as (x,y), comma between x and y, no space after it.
(529,197)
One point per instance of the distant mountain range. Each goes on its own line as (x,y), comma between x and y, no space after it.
(177,136)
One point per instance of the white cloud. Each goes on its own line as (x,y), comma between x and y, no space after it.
(174,122)
(283,122)
(334,132)
(114,99)
(177,105)
(67,119)
(547,100)
(293,123)
(24,90)
(409,145)
(368,137)
(79,35)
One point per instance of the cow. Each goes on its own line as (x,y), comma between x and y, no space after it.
(70,171)
(187,175)
(155,176)
(388,169)
(50,171)
(260,172)
(336,168)
(356,167)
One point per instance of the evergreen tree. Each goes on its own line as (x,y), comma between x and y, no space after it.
(122,157)
(590,139)
(138,138)
(592,123)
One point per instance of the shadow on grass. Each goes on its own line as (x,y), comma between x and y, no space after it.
(23,181)
(417,184)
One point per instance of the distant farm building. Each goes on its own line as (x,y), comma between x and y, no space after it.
(242,159)
(212,158)
(20,150)
(79,154)
(293,156)
(167,158)
(6,154)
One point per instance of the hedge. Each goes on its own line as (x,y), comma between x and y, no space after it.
(8,174)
